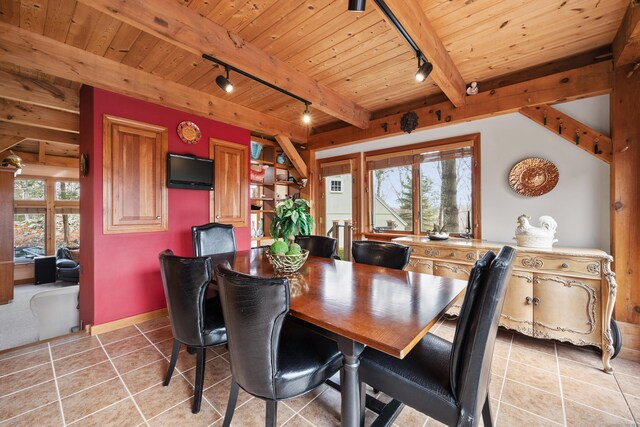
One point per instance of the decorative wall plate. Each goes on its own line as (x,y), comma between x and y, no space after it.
(189,132)
(533,177)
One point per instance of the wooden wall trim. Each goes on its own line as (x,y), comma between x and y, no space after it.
(127,321)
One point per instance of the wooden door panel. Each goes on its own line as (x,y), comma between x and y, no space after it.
(231,196)
(134,176)
(517,312)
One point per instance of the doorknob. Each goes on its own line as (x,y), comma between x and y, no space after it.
(536,301)
(528,299)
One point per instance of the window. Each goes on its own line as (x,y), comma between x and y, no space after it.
(29,235)
(424,186)
(336,185)
(67,190)
(29,189)
(67,230)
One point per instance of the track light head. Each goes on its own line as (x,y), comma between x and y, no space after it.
(224,83)
(357,5)
(306,116)
(423,71)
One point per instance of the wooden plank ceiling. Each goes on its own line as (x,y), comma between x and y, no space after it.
(357,55)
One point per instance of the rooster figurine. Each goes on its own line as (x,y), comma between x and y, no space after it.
(536,237)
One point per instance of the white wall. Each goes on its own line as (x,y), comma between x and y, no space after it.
(580,201)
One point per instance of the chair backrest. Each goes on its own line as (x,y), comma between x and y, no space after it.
(254,310)
(476,352)
(321,246)
(185,283)
(382,254)
(213,238)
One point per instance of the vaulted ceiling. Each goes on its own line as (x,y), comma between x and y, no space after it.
(358,57)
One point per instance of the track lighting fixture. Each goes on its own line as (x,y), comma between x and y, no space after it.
(306,116)
(357,5)
(223,82)
(424,69)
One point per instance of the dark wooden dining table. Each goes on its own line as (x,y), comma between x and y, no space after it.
(359,305)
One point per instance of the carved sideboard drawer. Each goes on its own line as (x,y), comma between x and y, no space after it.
(444,253)
(420,265)
(575,265)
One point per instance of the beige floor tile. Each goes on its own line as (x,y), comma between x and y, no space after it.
(29,360)
(510,416)
(587,374)
(28,399)
(625,366)
(93,399)
(297,403)
(445,332)
(580,416)
(544,346)
(27,378)
(181,415)
(215,370)
(188,361)
(585,355)
(161,334)
(147,376)
(126,345)
(158,398)
(634,405)
(137,359)
(74,347)
(166,347)
(253,413)
(502,349)
(122,414)
(85,378)
(409,417)
(79,361)
(118,334)
(499,366)
(158,322)
(433,423)
(325,409)
(218,395)
(534,358)
(534,377)
(533,400)
(46,416)
(597,397)
(12,353)
(495,386)
(298,421)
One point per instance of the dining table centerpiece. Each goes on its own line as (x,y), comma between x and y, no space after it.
(292,218)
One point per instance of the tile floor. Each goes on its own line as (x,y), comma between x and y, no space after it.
(116,379)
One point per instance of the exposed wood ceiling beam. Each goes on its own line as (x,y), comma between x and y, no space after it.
(8,141)
(189,30)
(31,50)
(626,44)
(293,155)
(38,92)
(573,84)
(593,142)
(34,158)
(37,116)
(445,73)
(41,134)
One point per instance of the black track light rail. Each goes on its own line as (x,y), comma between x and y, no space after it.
(398,26)
(254,78)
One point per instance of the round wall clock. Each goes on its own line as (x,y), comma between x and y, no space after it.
(189,132)
(533,177)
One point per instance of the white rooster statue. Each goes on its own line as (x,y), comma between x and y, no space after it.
(536,237)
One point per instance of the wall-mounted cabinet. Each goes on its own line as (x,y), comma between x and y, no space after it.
(134,169)
(231,182)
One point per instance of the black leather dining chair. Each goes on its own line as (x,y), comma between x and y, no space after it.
(273,357)
(213,238)
(321,246)
(450,381)
(382,254)
(194,323)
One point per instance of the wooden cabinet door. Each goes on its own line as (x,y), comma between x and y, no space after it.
(231,197)
(134,165)
(567,309)
(517,312)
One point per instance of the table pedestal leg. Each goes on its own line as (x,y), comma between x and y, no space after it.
(351,408)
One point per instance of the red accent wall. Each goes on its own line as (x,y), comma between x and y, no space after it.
(120,273)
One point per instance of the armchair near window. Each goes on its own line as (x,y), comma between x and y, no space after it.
(67,268)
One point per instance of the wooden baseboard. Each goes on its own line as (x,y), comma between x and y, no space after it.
(127,321)
(630,336)
(47,340)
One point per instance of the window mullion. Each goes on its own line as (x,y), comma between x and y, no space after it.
(415,185)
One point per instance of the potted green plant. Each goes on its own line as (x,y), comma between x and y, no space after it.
(292,218)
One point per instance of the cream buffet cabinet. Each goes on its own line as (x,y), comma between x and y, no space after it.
(563,294)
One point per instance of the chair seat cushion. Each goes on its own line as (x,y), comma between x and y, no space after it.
(214,332)
(420,380)
(66,263)
(305,360)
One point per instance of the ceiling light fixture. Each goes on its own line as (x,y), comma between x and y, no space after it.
(223,82)
(357,5)
(306,116)
(424,69)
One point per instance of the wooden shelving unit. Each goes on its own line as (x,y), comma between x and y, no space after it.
(268,193)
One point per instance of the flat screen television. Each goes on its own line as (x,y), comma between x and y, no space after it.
(190,172)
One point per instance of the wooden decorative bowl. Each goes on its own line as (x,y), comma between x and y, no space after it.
(288,264)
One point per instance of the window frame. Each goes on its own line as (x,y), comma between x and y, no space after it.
(472,140)
(337,180)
